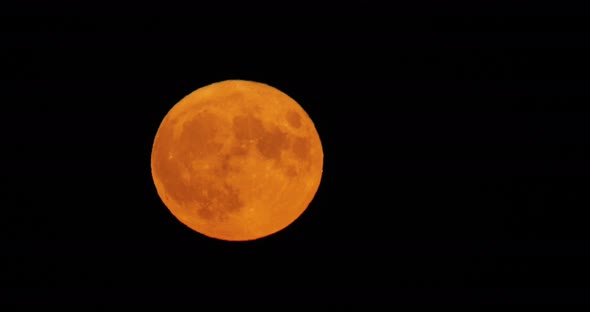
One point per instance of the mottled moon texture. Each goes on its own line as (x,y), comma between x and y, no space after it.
(237,160)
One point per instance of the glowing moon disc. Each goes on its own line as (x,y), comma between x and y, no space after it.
(237,160)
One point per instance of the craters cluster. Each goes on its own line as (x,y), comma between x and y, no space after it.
(198,136)
(215,201)
(282,147)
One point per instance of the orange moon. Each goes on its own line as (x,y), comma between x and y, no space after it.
(237,160)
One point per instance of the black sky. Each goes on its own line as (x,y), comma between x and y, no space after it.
(454,170)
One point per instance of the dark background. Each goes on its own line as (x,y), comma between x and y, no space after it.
(455,154)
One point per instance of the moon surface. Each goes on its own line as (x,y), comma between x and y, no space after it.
(237,160)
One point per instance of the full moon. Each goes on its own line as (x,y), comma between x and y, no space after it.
(237,160)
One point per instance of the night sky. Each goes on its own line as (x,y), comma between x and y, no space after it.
(455,158)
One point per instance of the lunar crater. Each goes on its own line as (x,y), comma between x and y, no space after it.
(293,119)
(301,148)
